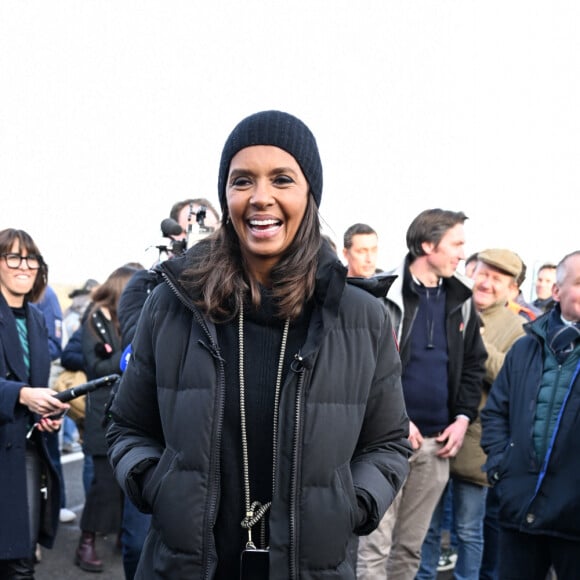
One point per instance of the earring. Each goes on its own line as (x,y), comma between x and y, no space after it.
(228,220)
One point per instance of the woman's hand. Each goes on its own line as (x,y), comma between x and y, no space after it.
(42,402)
(49,425)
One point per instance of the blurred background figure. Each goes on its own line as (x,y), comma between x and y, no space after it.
(73,315)
(544,284)
(361,247)
(102,349)
(191,211)
(516,302)
(470,263)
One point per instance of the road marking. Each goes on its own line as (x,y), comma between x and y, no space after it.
(70,457)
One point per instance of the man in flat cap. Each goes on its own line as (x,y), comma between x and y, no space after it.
(495,278)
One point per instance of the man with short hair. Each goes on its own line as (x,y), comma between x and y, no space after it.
(443,358)
(518,304)
(530,432)
(544,284)
(361,246)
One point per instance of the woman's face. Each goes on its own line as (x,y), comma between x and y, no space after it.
(267,196)
(16,283)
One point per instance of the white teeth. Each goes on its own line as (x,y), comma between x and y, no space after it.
(264,222)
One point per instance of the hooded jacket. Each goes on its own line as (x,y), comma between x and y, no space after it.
(536,495)
(342,431)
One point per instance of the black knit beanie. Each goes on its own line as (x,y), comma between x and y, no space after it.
(281,130)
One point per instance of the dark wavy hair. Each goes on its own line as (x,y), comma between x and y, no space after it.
(108,293)
(216,275)
(25,241)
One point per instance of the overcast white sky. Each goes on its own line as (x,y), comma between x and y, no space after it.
(110,111)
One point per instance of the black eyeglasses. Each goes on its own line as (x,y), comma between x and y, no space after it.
(14,261)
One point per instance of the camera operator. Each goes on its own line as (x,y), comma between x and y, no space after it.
(183,213)
(188,221)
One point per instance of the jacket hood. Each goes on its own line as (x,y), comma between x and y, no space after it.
(551,330)
(377,285)
(539,327)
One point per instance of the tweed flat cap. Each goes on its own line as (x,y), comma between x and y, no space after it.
(502,259)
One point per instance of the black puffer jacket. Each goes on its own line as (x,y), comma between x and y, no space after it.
(342,432)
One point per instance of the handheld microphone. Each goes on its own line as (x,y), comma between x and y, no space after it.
(169,227)
(80,390)
(74,392)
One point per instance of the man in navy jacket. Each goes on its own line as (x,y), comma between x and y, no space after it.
(530,433)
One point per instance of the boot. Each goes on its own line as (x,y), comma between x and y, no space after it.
(86,556)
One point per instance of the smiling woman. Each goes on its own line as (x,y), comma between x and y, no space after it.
(29,488)
(255,337)
(267,196)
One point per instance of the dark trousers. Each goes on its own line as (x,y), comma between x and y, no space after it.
(104,501)
(489,563)
(54,452)
(529,557)
(135,528)
(23,568)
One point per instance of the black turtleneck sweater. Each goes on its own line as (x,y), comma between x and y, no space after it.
(262,341)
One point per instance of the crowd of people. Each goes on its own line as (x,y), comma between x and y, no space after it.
(283,413)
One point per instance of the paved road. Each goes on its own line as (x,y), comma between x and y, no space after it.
(57,564)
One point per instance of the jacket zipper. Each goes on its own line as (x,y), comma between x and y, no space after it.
(214,467)
(554,435)
(544,448)
(293,516)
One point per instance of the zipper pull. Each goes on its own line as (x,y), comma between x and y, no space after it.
(31,430)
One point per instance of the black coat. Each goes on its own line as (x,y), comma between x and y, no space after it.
(97,332)
(342,432)
(15,420)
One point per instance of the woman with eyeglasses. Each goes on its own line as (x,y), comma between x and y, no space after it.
(29,486)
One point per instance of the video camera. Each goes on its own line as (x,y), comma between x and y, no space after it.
(196,230)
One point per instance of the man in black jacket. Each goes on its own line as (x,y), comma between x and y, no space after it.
(443,365)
